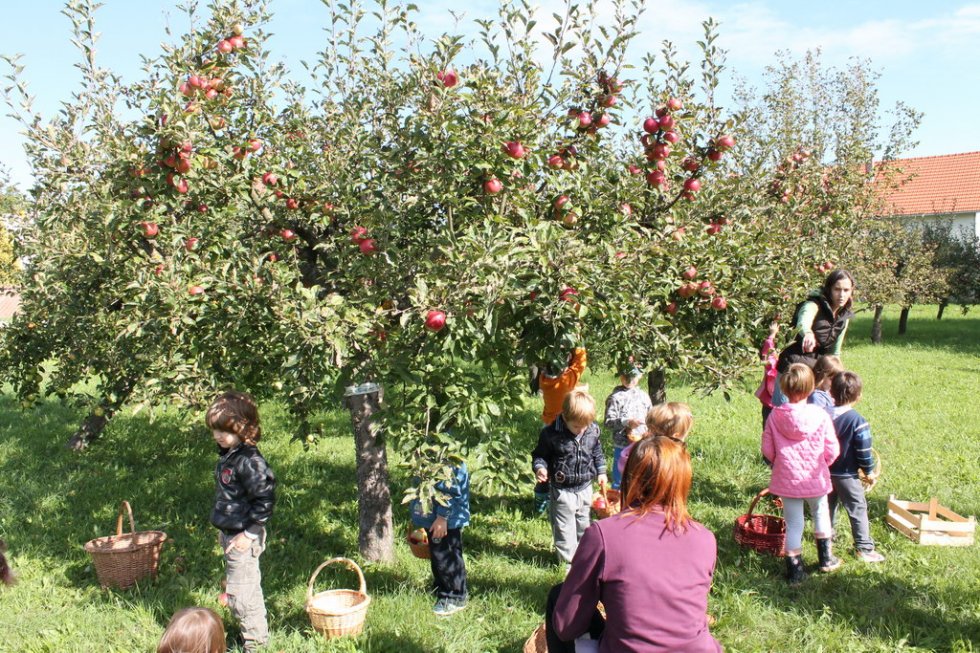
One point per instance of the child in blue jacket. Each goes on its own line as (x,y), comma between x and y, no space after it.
(444,525)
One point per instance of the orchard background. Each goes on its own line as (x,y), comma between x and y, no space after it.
(435,217)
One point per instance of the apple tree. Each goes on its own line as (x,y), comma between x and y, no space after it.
(420,220)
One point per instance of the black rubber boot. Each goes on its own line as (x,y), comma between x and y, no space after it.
(828,561)
(794,570)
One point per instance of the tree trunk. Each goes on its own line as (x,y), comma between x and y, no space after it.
(942,307)
(657,386)
(876,325)
(903,320)
(376,536)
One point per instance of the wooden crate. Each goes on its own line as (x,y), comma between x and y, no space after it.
(930,523)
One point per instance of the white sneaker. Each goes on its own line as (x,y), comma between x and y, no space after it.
(870,556)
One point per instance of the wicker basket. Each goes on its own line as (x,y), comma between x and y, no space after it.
(869,483)
(764,533)
(123,559)
(338,613)
(419,549)
(537,642)
(611,498)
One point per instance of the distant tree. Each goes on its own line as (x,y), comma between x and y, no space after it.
(958,257)
(11,208)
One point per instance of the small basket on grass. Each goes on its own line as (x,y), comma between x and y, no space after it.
(764,533)
(870,482)
(122,559)
(605,502)
(338,613)
(537,642)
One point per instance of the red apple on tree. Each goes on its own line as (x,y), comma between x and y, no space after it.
(672,308)
(225,46)
(288,235)
(666,122)
(561,201)
(270,179)
(604,120)
(584,119)
(358,233)
(292,203)
(714,155)
(568,294)
(435,320)
(150,229)
(367,246)
(690,164)
(514,149)
(690,273)
(719,303)
(448,77)
(675,104)
(692,185)
(493,186)
(195,291)
(706,289)
(651,125)
(191,244)
(725,142)
(555,161)
(635,169)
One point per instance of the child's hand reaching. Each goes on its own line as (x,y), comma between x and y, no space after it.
(541,475)
(773,329)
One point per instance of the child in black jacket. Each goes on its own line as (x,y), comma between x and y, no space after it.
(244,498)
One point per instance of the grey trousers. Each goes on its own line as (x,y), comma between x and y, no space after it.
(245,599)
(569,518)
(849,493)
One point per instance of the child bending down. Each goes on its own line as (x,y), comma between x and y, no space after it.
(800,442)
(443,523)
(854,436)
(671,420)
(569,456)
(245,495)
(626,410)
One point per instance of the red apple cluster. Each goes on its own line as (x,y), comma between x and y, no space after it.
(563,210)
(564,159)
(447,77)
(201,86)
(703,289)
(359,236)
(233,42)
(825,267)
(658,138)
(253,146)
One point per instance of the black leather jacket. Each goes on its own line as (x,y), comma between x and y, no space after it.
(245,491)
(572,462)
(826,329)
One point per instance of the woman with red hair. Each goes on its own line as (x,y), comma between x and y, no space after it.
(650,566)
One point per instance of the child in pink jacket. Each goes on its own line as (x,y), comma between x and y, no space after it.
(800,442)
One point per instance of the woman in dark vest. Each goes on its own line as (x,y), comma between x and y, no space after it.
(821,323)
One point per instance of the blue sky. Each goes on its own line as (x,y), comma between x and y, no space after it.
(926,52)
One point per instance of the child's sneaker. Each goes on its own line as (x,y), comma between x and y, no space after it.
(446,607)
(870,556)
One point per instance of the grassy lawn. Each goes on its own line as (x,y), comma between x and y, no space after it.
(921,396)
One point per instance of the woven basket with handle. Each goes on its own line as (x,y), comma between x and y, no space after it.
(419,549)
(124,558)
(764,533)
(610,499)
(338,613)
(537,642)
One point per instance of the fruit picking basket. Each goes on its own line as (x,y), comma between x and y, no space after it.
(605,502)
(418,542)
(338,613)
(537,642)
(123,559)
(764,533)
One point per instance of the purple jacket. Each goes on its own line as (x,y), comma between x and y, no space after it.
(653,583)
(800,441)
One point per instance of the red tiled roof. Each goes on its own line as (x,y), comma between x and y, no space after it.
(937,185)
(9,302)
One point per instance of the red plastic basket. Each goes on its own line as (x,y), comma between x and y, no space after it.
(764,533)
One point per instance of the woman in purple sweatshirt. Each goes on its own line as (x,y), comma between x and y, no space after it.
(650,565)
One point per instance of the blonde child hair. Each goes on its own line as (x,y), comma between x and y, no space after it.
(797,382)
(671,420)
(826,369)
(193,630)
(578,407)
